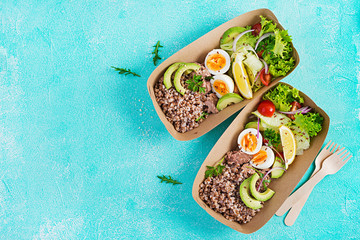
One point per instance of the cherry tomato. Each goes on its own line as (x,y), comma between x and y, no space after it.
(265,78)
(294,106)
(260,53)
(266,108)
(257,28)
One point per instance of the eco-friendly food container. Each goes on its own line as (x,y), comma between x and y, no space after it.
(196,52)
(282,186)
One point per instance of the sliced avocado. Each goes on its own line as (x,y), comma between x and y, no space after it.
(228,99)
(246,197)
(179,73)
(264,196)
(169,72)
(228,37)
(275,120)
(254,125)
(278,172)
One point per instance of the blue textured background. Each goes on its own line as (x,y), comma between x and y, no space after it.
(80,145)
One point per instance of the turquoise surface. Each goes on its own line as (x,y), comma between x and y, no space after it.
(80,145)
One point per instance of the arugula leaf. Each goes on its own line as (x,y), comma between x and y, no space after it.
(216,170)
(125,71)
(272,137)
(156,52)
(310,122)
(282,96)
(168,179)
(195,84)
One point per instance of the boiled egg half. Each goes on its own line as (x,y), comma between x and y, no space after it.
(222,84)
(217,61)
(263,159)
(249,142)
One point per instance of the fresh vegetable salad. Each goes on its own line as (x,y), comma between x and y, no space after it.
(247,59)
(279,129)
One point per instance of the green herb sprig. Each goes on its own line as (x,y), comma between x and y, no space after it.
(125,71)
(168,179)
(216,170)
(195,84)
(156,52)
(272,137)
(202,116)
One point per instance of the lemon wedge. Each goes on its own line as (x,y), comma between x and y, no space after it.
(241,77)
(288,143)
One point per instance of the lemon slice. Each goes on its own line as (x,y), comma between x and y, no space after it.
(241,77)
(288,143)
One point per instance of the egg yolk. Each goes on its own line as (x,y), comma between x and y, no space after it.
(221,87)
(216,62)
(249,142)
(260,157)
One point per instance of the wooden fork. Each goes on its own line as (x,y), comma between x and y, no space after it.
(330,165)
(296,209)
(329,149)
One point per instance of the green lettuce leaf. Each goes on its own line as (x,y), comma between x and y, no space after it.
(310,122)
(266,26)
(282,43)
(282,96)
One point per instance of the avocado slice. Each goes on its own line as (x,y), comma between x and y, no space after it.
(179,72)
(258,195)
(228,99)
(228,37)
(169,72)
(278,172)
(275,120)
(248,200)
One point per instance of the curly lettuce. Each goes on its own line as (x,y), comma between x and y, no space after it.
(310,122)
(277,50)
(282,96)
(266,26)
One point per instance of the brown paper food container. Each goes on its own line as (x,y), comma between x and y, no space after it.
(196,52)
(282,186)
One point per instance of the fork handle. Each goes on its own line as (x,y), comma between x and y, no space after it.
(296,209)
(297,195)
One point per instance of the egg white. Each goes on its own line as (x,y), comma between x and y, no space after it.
(227,61)
(259,140)
(225,79)
(269,160)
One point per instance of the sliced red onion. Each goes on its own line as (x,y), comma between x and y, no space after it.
(257,76)
(238,37)
(258,128)
(262,180)
(266,35)
(302,110)
(265,65)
